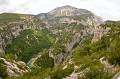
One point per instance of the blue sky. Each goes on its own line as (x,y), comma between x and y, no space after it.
(107,9)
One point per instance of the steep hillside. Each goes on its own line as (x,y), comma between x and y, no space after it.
(12,24)
(56,19)
(29,43)
(71,26)
(86,60)
(65,43)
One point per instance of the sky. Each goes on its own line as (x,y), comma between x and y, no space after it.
(107,9)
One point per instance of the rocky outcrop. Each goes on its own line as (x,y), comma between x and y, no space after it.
(117,76)
(99,32)
(64,11)
(72,76)
(9,30)
(60,16)
(64,19)
(68,11)
(75,39)
(14,68)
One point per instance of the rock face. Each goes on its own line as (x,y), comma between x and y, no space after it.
(69,24)
(64,19)
(9,32)
(72,76)
(69,14)
(117,76)
(58,19)
(10,29)
(68,11)
(14,68)
(65,11)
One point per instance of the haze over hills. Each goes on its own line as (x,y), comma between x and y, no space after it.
(64,43)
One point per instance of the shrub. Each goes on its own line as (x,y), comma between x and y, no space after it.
(97,73)
(3,70)
(60,73)
(45,61)
(29,43)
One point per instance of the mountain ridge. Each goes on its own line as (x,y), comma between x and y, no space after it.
(64,43)
(66,10)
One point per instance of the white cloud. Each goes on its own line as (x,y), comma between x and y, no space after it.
(3,2)
(107,9)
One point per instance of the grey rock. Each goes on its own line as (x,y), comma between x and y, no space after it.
(15,68)
(117,76)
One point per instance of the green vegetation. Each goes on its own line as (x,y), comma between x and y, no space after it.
(88,59)
(85,55)
(8,17)
(3,69)
(112,49)
(88,54)
(29,43)
(60,73)
(36,73)
(45,61)
(97,73)
(42,73)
